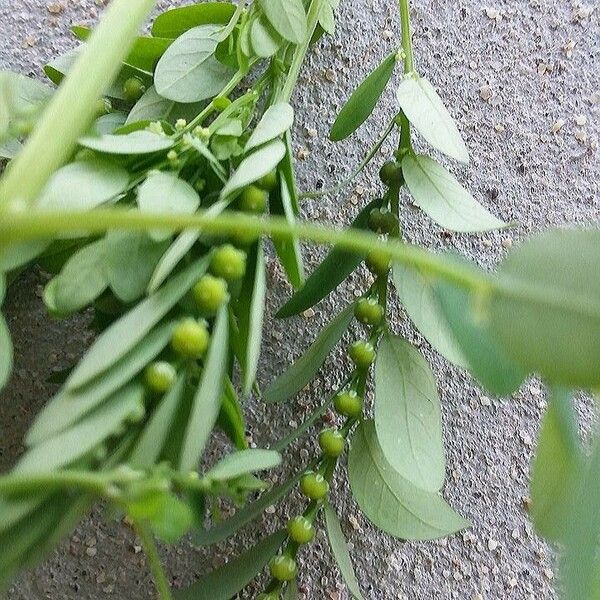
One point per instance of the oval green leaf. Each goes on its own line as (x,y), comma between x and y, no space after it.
(288,18)
(138,142)
(264,39)
(277,119)
(174,22)
(150,107)
(247,461)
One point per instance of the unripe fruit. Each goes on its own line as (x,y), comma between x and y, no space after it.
(301,530)
(283,568)
(362,354)
(332,442)
(369,312)
(190,338)
(314,485)
(268,182)
(254,200)
(391,173)
(133,89)
(210,293)
(389,223)
(159,376)
(220,103)
(348,404)
(103,107)
(378,262)
(228,263)
(376,220)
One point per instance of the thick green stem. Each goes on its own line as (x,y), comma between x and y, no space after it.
(72,108)
(154,562)
(409,63)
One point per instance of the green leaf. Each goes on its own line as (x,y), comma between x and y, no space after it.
(123,335)
(207,401)
(440,195)
(150,107)
(138,142)
(10,148)
(80,282)
(109,123)
(152,440)
(6,353)
(20,98)
(17,255)
(250,308)
(166,192)
(85,436)
(425,110)
(408,417)
(225,582)
(287,17)
(361,103)
(69,406)
(546,312)
(488,361)
(389,501)
(277,119)
(174,22)
(83,185)
(307,366)
(247,461)
(253,167)
(417,294)
(327,17)
(291,591)
(334,269)
(245,515)
(188,71)
(231,418)
(172,519)
(264,39)
(339,547)
(556,467)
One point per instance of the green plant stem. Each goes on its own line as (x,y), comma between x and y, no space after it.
(73,106)
(301,50)
(151,551)
(409,61)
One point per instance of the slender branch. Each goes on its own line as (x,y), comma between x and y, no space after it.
(409,62)
(160,579)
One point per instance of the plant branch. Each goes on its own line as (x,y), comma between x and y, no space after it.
(409,61)
(160,579)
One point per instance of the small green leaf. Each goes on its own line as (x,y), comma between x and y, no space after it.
(556,466)
(6,353)
(107,124)
(307,366)
(228,580)
(85,436)
(188,71)
(68,407)
(247,461)
(417,294)
(287,17)
(389,501)
(425,110)
(277,119)
(361,103)
(334,269)
(154,436)
(408,417)
(255,166)
(339,547)
(440,195)
(207,402)
(231,418)
(327,17)
(150,107)
(17,255)
(264,39)
(291,591)
(165,192)
(123,335)
(174,22)
(138,142)
(83,185)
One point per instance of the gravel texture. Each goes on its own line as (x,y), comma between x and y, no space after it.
(522,78)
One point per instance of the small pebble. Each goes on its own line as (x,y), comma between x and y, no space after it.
(492,545)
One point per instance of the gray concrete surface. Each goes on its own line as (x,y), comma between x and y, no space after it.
(510,71)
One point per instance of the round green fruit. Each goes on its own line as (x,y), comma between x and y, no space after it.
(190,338)
(332,442)
(301,530)
(133,89)
(229,263)
(220,103)
(159,376)
(254,200)
(348,404)
(362,354)
(369,312)
(376,220)
(391,173)
(389,223)
(283,568)
(314,485)
(210,293)
(378,262)
(268,182)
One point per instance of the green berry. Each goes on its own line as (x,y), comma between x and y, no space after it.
(283,568)
(210,293)
(332,442)
(362,354)
(159,376)
(228,263)
(133,89)
(376,221)
(378,262)
(253,200)
(301,530)
(220,103)
(190,338)
(314,485)
(389,223)
(369,312)
(103,107)
(268,182)
(348,404)
(391,173)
